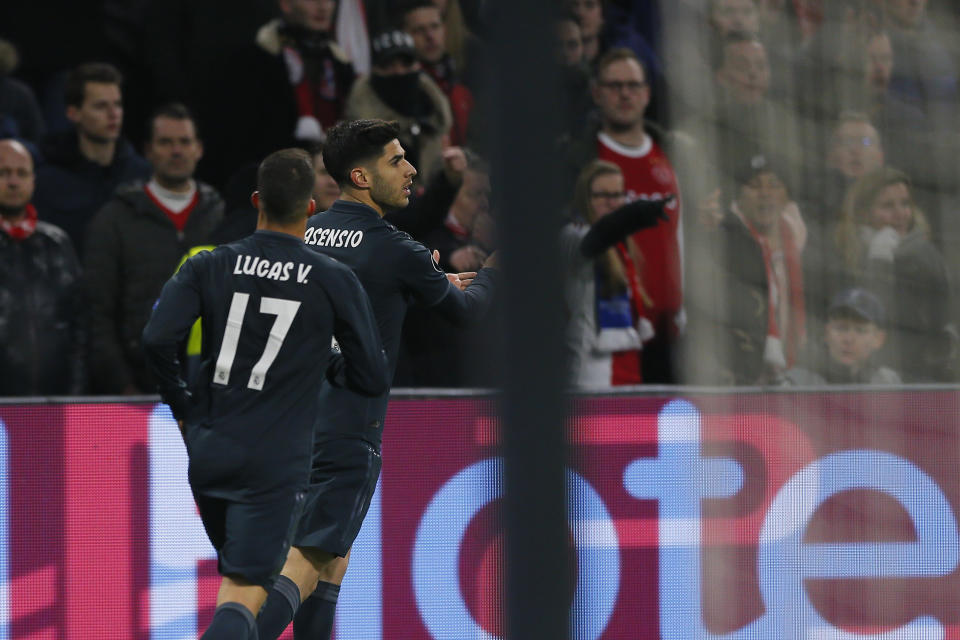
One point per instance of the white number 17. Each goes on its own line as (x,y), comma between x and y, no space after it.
(285,310)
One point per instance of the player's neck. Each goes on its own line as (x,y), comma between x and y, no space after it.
(361,197)
(297,229)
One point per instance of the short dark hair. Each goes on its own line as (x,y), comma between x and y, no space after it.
(285,181)
(173,111)
(352,143)
(75,86)
(412,5)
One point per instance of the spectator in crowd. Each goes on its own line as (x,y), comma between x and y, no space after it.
(134,245)
(325,189)
(398,90)
(590,15)
(423,21)
(745,121)
(83,167)
(746,307)
(569,41)
(463,45)
(454,239)
(885,246)
(855,149)
(849,68)
(434,351)
(41,337)
(646,155)
(302,78)
(575,102)
(734,16)
(604,297)
(17,101)
(925,73)
(853,336)
(607,25)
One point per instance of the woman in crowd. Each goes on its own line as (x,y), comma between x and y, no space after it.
(885,246)
(605,300)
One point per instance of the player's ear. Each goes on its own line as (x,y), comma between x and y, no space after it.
(255,199)
(359,178)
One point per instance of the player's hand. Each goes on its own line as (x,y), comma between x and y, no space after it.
(492,261)
(463,279)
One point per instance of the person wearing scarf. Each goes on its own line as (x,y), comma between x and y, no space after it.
(747,321)
(777,230)
(41,335)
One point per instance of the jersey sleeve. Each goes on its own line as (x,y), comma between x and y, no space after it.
(420,275)
(469,306)
(174,313)
(362,366)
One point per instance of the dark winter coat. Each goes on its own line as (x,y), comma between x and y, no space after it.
(71,189)
(41,336)
(132,250)
(727,308)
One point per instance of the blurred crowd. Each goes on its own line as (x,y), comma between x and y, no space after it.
(759,192)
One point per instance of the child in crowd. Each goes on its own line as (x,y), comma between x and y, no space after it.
(853,334)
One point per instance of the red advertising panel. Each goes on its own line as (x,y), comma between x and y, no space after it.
(814,515)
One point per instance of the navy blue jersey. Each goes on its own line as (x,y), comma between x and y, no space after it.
(269,308)
(395,270)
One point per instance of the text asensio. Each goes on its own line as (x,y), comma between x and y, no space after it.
(333,237)
(263,268)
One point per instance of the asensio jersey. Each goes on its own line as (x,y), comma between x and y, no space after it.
(396,271)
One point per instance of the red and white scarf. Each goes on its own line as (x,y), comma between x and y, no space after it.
(22,228)
(791,254)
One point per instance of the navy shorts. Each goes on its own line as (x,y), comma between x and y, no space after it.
(342,481)
(251,538)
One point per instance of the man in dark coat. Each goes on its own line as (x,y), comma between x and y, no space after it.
(134,245)
(83,167)
(40,331)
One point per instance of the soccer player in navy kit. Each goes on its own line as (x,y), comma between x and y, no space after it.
(367,160)
(270,307)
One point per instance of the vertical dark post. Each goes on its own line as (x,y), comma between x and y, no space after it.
(527,189)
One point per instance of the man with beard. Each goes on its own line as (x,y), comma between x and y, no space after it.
(397,90)
(369,164)
(40,305)
(134,245)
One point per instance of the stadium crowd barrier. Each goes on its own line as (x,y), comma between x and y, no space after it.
(693,514)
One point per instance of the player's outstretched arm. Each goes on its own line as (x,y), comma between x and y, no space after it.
(420,273)
(173,315)
(467,304)
(362,366)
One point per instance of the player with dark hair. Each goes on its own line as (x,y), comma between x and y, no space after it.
(367,160)
(269,309)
